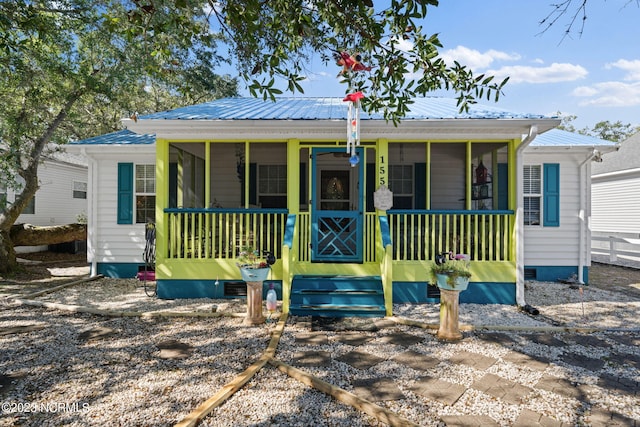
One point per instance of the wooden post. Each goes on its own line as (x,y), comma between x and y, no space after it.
(254,304)
(449,327)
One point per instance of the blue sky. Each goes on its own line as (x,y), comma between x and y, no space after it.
(595,77)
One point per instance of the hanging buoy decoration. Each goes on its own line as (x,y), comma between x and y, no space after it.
(353,125)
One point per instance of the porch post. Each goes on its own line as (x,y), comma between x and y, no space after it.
(293,205)
(386,264)
(162,199)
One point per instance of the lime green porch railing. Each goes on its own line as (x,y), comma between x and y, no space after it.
(421,235)
(221,233)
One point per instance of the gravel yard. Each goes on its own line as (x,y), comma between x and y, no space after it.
(60,367)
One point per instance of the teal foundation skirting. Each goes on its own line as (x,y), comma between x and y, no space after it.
(476,293)
(119,270)
(181,289)
(553,273)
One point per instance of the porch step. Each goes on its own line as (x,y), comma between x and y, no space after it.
(337,296)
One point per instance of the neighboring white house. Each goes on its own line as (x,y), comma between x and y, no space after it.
(537,184)
(616,199)
(62,196)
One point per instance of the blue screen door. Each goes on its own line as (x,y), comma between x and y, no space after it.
(336,206)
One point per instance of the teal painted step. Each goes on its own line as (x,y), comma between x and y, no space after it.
(337,296)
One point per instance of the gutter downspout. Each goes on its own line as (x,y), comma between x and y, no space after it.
(583,253)
(92,214)
(533,133)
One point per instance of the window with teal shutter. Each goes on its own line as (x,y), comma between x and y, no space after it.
(551,196)
(125,193)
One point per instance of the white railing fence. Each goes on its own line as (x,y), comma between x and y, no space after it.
(615,247)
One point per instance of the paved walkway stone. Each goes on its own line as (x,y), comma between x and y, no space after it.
(172,349)
(526,361)
(417,361)
(312,338)
(619,385)
(96,333)
(438,390)
(377,389)
(474,360)
(590,341)
(625,339)
(312,358)
(622,359)
(7,382)
(601,417)
(353,338)
(401,338)
(528,418)
(497,337)
(563,387)
(545,339)
(360,359)
(581,361)
(502,388)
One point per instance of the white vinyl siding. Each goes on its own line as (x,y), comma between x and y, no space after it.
(54,202)
(616,204)
(559,246)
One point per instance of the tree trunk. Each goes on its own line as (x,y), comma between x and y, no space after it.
(8,260)
(31,235)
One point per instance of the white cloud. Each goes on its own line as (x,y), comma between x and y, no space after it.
(609,94)
(631,67)
(554,73)
(475,59)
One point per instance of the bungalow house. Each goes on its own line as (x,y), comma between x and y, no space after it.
(353,230)
(616,201)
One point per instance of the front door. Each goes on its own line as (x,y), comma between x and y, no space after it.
(336,208)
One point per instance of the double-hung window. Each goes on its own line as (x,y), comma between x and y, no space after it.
(145,198)
(79,190)
(401,183)
(532,194)
(541,188)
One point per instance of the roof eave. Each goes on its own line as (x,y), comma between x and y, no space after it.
(370,129)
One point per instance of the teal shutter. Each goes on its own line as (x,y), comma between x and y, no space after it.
(370,180)
(253,184)
(551,195)
(420,185)
(125,193)
(503,186)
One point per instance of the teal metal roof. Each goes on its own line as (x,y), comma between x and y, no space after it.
(562,138)
(123,137)
(326,109)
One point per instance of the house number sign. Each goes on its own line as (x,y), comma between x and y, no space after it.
(383,198)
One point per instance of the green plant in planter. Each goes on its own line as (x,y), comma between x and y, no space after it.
(251,258)
(453,269)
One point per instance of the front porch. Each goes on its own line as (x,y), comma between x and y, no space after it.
(197,250)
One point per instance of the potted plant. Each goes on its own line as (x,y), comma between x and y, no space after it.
(452,272)
(451,276)
(254,267)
